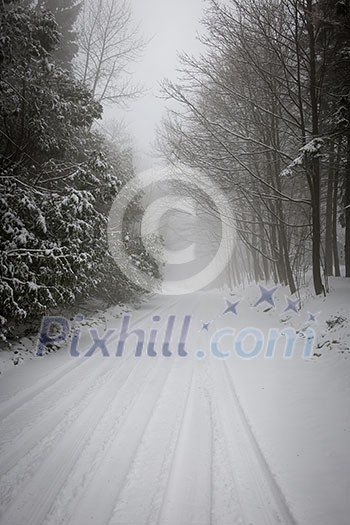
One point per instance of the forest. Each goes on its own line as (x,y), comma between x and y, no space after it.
(264,111)
(60,62)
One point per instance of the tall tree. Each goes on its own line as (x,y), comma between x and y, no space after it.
(65,13)
(108,42)
(58,179)
(336,28)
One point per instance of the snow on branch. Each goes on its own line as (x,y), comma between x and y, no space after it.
(311,149)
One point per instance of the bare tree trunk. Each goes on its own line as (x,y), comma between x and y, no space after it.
(266,266)
(316,228)
(329,214)
(315,163)
(335,213)
(347,212)
(289,278)
(276,273)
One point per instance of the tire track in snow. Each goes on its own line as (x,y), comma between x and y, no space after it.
(30,461)
(140,502)
(37,496)
(49,410)
(112,471)
(75,441)
(226,507)
(187,498)
(25,464)
(51,422)
(261,498)
(43,399)
(100,441)
(141,498)
(114,462)
(48,407)
(19,400)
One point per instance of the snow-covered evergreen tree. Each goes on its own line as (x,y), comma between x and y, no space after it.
(58,178)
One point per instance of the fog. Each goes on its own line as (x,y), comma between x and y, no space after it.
(169,26)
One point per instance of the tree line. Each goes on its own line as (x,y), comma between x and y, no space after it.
(265,112)
(60,60)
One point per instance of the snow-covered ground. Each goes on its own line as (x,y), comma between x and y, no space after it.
(184,440)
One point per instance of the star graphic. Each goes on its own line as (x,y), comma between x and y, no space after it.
(231,308)
(313,317)
(266,296)
(205,327)
(293,306)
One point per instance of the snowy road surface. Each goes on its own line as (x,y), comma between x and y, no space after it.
(149,440)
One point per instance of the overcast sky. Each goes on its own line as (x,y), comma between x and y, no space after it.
(172,25)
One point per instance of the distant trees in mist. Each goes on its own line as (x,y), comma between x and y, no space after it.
(265,112)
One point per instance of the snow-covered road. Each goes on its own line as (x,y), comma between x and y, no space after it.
(142,440)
